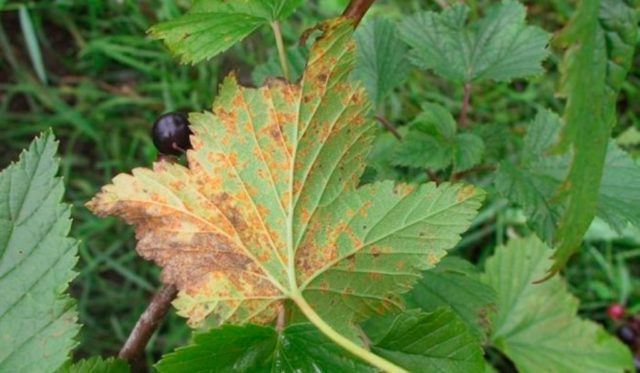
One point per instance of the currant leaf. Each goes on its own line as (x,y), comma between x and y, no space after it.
(212,26)
(536,325)
(498,47)
(269,207)
(38,320)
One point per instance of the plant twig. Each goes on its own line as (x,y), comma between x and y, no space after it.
(442,3)
(281,320)
(459,175)
(282,53)
(357,9)
(466,100)
(433,176)
(388,125)
(147,324)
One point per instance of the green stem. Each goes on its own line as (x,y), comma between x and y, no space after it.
(282,53)
(342,341)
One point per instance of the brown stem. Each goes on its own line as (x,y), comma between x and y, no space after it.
(466,100)
(459,175)
(433,176)
(388,125)
(356,9)
(281,320)
(442,3)
(148,322)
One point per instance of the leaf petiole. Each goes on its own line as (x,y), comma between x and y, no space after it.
(342,341)
(282,53)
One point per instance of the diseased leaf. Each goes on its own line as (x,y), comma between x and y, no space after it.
(97,365)
(212,26)
(426,342)
(533,183)
(455,282)
(536,325)
(37,320)
(381,62)
(498,47)
(268,208)
(602,36)
(252,348)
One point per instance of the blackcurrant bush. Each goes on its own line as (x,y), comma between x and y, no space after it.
(171,133)
(627,335)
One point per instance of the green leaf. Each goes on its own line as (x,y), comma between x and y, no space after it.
(426,342)
(602,35)
(533,183)
(97,365)
(213,26)
(454,282)
(37,320)
(468,151)
(536,325)
(269,210)
(381,62)
(420,150)
(498,47)
(434,117)
(432,143)
(619,194)
(252,348)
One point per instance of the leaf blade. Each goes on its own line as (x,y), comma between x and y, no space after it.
(498,47)
(597,65)
(36,263)
(536,324)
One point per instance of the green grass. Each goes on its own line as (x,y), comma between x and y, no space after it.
(100,82)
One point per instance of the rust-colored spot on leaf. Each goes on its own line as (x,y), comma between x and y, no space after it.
(465,193)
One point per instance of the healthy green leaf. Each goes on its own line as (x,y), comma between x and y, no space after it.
(619,194)
(536,325)
(415,341)
(602,35)
(426,342)
(212,26)
(421,150)
(252,348)
(532,184)
(454,282)
(269,210)
(432,142)
(498,47)
(37,321)
(97,365)
(468,151)
(381,62)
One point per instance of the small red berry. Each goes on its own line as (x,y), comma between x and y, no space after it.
(616,311)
